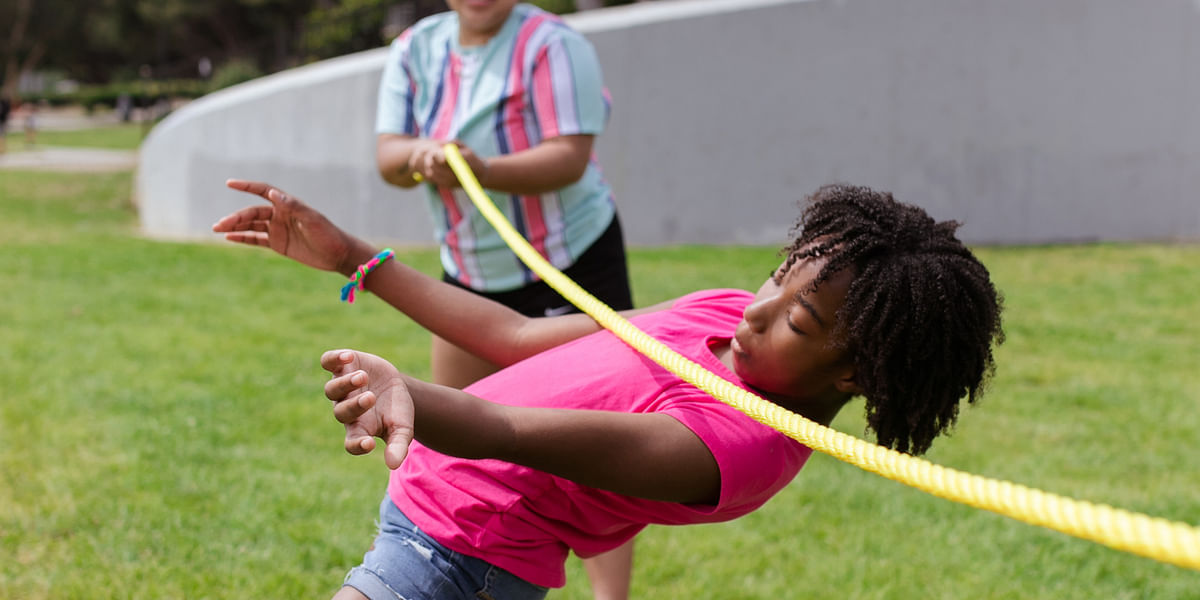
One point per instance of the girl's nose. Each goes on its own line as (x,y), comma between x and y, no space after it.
(757,313)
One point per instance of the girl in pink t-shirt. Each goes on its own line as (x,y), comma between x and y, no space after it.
(579,442)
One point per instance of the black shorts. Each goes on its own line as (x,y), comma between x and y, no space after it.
(601,270)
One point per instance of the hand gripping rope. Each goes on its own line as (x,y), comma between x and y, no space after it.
(1162,540)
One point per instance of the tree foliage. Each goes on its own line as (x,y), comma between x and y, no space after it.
(36,30)
(102,41)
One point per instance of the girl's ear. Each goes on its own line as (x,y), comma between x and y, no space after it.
(847,385)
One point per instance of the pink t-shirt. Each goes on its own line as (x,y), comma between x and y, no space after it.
(526,521)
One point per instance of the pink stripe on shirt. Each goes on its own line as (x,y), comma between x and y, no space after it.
(441,129)
(445,116)
(514,129)
(543,95)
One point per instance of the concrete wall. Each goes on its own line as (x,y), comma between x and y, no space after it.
(1028,120)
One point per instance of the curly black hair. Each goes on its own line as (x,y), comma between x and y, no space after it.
(920,316)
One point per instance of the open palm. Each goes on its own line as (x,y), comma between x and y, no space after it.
(287,226)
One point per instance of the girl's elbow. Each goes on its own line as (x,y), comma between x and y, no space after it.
(567,177)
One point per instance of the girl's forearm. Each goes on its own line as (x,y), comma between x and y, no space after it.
(456,423)
(485,328)
(649,456)
(392,155)
(549,166)
(481,326)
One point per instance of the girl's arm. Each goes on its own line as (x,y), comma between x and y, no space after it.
(485,328)
(393,153)
(649,456)
(551,165)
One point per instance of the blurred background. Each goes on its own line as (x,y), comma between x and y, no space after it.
(162,432)
(138,55)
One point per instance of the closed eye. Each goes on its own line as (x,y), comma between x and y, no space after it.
(794,327)
(812,310)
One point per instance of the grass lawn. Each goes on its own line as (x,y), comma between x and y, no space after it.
(126,136)
(163,432)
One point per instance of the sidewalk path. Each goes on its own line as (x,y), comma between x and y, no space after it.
(70,118)
(57,158)
(90,160)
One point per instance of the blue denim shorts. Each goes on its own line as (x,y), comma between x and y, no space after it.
(407,564)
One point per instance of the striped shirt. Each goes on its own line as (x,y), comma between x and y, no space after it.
(535,79)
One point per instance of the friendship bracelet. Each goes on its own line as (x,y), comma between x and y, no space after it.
(356,281)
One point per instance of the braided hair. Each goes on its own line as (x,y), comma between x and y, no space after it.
(920,316)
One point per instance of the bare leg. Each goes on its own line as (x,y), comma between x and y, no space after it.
(456,367)
(610,572)
(349,593)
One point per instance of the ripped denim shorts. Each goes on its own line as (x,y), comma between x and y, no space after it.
(407,564)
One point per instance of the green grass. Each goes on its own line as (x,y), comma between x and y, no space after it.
(118,137)
(163,433)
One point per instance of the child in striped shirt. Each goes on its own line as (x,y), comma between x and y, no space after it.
(523,96)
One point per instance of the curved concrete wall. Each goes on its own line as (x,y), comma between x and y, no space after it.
(1028,120)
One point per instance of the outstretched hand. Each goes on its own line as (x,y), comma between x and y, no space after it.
(371,400)
(287,226)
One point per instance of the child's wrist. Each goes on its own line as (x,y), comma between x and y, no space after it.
(358,280)
(358,253)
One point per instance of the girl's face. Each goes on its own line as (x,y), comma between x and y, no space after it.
(784,344)
(479,20)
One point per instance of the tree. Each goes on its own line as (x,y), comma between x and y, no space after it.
(38,30)
(102,41)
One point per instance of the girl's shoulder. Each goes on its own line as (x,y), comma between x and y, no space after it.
(432,28)
(545,24)
(710,310)
(715,298)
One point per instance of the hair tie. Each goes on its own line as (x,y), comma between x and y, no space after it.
(360,274)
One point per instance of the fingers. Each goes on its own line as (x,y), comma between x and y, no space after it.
(358,443)
(246,226)
(347,409)
(437,170)
(424,164)
(253,233)
(258,188)
(398,440)
(276,196)
(254,218)
(347,387)
(344,384)
(335,361)
(249,225)
(352,407)
(429,161)
(352,400)
(397,450)
(249,237)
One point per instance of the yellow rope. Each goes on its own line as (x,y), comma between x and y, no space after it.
(1166,541)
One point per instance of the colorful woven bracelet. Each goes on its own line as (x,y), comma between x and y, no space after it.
(356,281)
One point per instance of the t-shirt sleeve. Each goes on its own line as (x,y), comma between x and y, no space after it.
(755,461)
(728,300)
(568,93)
(394,109)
